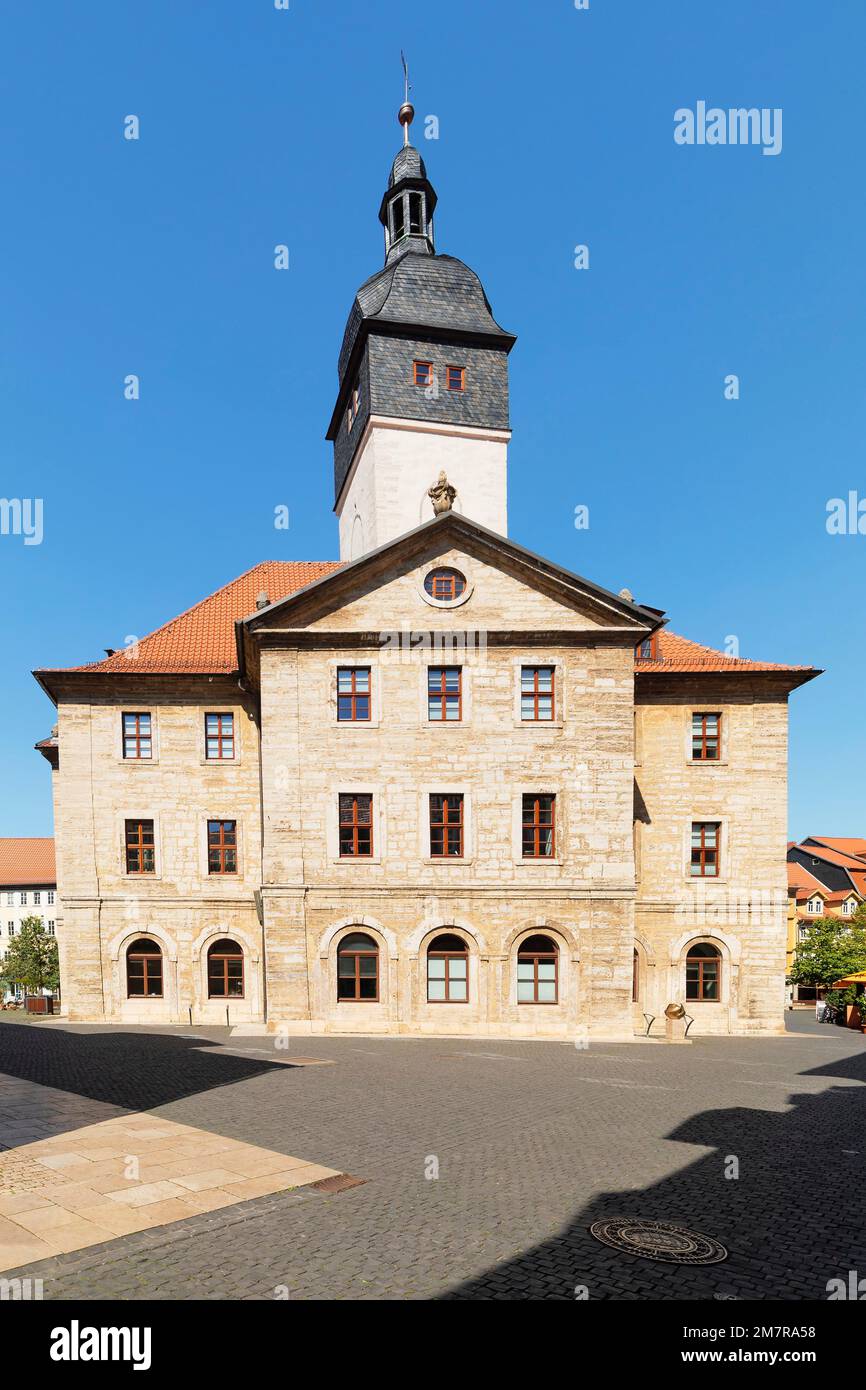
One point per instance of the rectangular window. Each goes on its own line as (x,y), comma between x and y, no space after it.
(536,693)
(50,928)
(415,213)
(446,826)
(219,734)
(222,847)
(11,928)
(50,895)
(706,738)
(356,825)
(140,857)
(23,899)
(10,899)
(137,739)
(398,216)
(422,373)
(37,897)
(647,650)
(444,693)
(455,378)
(353,694)
(706,836)
(539,828)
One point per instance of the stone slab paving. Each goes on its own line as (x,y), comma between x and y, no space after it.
(532,1143)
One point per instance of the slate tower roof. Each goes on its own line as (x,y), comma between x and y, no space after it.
(420,304)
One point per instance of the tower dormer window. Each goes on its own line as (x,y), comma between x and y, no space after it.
(398,219)
(455,378)
(422,373)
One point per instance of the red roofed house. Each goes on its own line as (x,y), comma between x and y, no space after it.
(826,878)
(28,887)
(441,785)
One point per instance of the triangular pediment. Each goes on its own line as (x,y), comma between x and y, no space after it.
(508,589)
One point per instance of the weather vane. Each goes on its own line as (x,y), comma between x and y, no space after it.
(407,111)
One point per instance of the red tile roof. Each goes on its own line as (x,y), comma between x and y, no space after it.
(845,845)
(680,654)
(27,861)
(202,640)
(833,856)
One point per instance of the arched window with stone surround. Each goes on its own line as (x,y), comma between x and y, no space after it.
(358,969)
(144,969)
(704,973)
(225,970)
(538,971)
(448,970)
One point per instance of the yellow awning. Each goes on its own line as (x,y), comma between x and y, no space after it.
(849,980)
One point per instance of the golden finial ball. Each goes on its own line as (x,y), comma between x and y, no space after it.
(406,114)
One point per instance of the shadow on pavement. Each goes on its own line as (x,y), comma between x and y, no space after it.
(791,1220)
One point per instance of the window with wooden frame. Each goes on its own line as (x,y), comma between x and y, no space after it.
(139,843)
(144,970)
(706,838)
(538,971)
(448,970)
(219,737)
(455,378)
(358,969)
(539,826)
(222,846)
(422,373)
(537,697)
(225,970)
(704,973)
(445,585)
(353,694)
(706,738)
(446,825)
(356,825)
(137,737)
(444,694)
(647,649)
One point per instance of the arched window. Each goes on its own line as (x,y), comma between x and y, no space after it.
(448,970)
(144,969)
(358,968)
(537,971)
(225,970)
(704,973)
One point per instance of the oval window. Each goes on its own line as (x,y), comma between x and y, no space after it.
(445,584)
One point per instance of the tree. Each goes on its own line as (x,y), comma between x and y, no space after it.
(31,959)
(831,949)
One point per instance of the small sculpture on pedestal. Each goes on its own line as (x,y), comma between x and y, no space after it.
(442,495)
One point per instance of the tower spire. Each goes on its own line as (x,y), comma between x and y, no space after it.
(406,114)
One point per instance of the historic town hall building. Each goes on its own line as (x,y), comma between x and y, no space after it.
(441,785)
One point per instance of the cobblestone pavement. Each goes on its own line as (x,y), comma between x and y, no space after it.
(533,1141)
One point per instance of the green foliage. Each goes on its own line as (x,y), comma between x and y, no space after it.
(832,948)
(31,958)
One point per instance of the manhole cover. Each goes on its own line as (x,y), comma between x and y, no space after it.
(659,1240)
(341,1182)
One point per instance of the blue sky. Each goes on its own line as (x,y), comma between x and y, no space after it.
(556,127)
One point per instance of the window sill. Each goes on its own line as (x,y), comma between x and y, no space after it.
(547,861)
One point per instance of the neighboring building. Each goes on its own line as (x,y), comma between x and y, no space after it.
(826,878)
(439,786)
(28,888)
